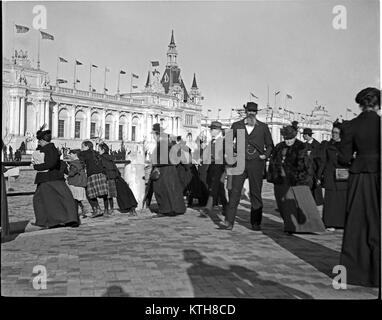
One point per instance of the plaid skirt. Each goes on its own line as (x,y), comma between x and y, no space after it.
(97,186)
(112,189)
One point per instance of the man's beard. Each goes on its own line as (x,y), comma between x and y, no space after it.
(251,119)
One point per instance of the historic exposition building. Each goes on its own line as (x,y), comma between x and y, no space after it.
(29,101)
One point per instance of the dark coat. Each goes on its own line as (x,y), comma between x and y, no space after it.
(260,139)
(92,162)
(329,163)
(297,165)
(109,166)
(315,152)
(77,174)
(52,163)
(363,136)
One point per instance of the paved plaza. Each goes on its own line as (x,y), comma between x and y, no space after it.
(182,256)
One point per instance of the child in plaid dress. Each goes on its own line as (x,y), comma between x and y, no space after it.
(111,171)
(96,183)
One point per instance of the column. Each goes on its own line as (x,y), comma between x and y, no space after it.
(129,125)
(15,116)
(116,125)
(72,120)
(46,107)
(172,125)
(55,121)
(102,123)
(177,126)
(88,121)
(22,116)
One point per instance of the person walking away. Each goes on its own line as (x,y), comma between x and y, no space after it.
(290,171)
(112,173)
(96,185)
(216,169)
(258,147)
(334,180)
(53,203)
(10,153)
(314,151)
(361,249)
(77,180)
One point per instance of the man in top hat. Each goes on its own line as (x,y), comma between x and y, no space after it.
(314,151)
(215,172)
(258,147)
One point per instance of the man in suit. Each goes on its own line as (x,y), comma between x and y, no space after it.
(215,169)
(314,151)
(258,147)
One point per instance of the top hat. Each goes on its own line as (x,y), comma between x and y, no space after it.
(251,106)
(157,128)
(216,125)
(307,131)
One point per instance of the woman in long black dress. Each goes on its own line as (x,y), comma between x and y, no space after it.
(53,202)
(361,241)
(290,170)
(168,189)
(335,188)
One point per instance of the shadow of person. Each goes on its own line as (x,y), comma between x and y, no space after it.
(115,291)
(237,281)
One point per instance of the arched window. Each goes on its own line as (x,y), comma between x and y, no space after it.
(109,127)
(95,126)
(63,124)
(79,125)
(122,130)
(134,129)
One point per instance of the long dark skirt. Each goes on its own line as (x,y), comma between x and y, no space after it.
(185,175)
(54,205)
(361,242)
(169,192)
(125,197)
(334,208)
(197,189)
(318,195)
(298,209)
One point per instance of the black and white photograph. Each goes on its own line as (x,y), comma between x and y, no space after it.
(191,149)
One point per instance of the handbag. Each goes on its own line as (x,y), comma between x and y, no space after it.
(342,174)
(155,174)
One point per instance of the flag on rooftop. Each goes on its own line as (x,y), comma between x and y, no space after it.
(62,81)
(122,72)
(94,66)
(276,93)
(254,96)
(134,76)
(155,63)
(135,87)
(21,29)
(61,59)
(289,96)
(78,63)
(348,109)
(46,35)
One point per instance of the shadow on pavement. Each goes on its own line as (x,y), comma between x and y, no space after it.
(212,281)
(115,291)
(320,257)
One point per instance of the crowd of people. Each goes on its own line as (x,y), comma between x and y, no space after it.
(342,174)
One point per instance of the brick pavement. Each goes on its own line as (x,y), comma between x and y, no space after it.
(183,256)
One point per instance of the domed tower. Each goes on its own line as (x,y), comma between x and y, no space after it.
(195,95)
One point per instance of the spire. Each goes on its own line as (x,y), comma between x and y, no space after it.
(172,42)
(194,85)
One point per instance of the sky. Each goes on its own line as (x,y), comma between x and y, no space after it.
(233,47)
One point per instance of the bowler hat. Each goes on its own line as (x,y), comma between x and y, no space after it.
(216,125)
(251,106)
(307,131)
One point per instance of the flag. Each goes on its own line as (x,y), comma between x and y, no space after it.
(289,96)
(135,87)
(62,81)
(219,109)
(254,96)
(78,81)
(134,76)
(45,35)
(348,109)
(155,63)
(106,90)
(276,93)
(354,114)
(94,66)
(21,29)
(107,69)
(93,90)
(62,59)
(78,63)
(122,72)
(209,110)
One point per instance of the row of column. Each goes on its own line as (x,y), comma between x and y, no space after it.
(173,124)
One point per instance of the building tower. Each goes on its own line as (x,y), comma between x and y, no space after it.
(195,95)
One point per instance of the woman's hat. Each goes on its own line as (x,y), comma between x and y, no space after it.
(251,106)
(289,132)
(43,134)
(157,128)
(307,131)
(216,125)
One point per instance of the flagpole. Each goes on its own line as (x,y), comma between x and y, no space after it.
(131,84)
(90,78)
(38,52)
(275,99)
(104,83)
(268,97)
(58,59)
(14,41)
(75,80)
(119,75)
